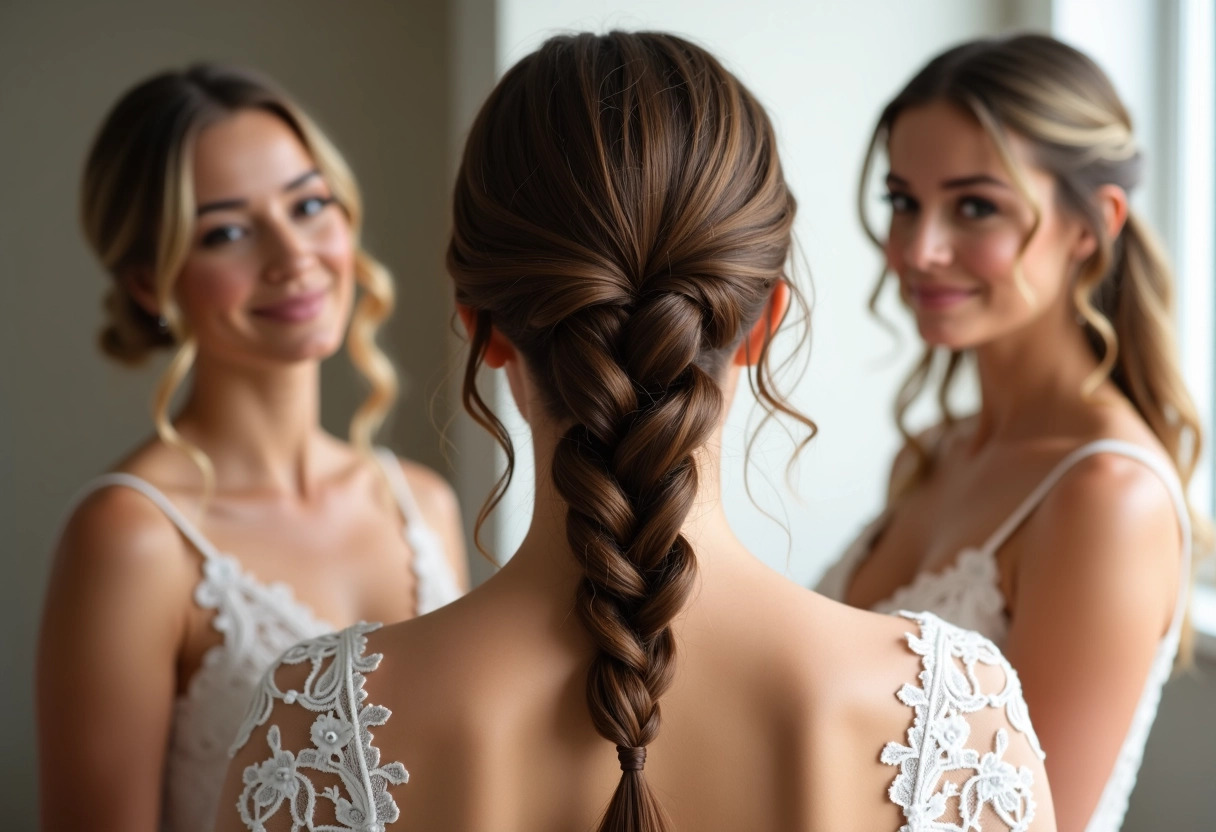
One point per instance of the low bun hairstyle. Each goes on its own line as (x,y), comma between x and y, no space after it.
(137,211)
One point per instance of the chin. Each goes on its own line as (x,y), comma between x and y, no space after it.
(318,350)
(316,346)
(947,337)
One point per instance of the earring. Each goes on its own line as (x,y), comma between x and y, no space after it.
(162,324)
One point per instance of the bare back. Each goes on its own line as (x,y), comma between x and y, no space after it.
(781,707)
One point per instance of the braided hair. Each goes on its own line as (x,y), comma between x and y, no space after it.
(621,217)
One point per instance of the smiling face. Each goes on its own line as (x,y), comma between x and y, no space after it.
(958,224)
(269,277)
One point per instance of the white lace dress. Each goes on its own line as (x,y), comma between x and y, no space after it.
(949,777)
(968,594)
(258,622)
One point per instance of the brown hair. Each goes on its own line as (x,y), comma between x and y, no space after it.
(621,217)
(137,209)
(1061,102)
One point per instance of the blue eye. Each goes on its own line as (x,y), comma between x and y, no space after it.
(223,234)
(975,208)
(900,203)
(313,205)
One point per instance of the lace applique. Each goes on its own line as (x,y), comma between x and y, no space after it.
(341,740)
(967,594)
(937,740)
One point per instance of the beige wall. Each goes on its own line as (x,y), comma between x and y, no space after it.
(374,74)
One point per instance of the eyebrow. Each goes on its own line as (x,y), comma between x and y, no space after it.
(230,204)
(958,182)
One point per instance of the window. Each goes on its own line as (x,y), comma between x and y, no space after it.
(1193,226)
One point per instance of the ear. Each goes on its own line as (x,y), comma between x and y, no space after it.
(774,313)
(499,351)
(1112,202)
(139,284)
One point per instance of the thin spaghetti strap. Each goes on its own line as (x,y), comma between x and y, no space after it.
(400,487)
(175,515)
(1104,446)
(437,583)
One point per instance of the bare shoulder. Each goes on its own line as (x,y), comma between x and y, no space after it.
(846,666)
(120,572)
(117,528)
(1113,480)
(914,689)
(1123,488)
(861,647)
(1105,546)
(116,524)
(818,648)
(1110,498)
(880,694)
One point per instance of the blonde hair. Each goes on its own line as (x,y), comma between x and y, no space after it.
(1062,103)
(137,209)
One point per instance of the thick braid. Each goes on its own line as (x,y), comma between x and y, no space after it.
(628,472)
(621,218)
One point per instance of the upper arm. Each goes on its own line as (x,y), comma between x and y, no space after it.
(112,624)
(1095,591)
(437,501)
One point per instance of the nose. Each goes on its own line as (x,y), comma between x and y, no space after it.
(288,253)
(926,244)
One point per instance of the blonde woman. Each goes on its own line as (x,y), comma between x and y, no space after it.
(620,236)
(230,227)
(1054,519)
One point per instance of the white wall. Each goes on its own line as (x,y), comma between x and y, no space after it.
(823,69)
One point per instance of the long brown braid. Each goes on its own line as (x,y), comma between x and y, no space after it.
(621,217)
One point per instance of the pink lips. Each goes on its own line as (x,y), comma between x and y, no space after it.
(938,297)
(296,309)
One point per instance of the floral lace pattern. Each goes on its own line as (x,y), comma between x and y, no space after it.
(256,622)
(969,595)
(937,745)
(970,588)
(967,592)
(341,739)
